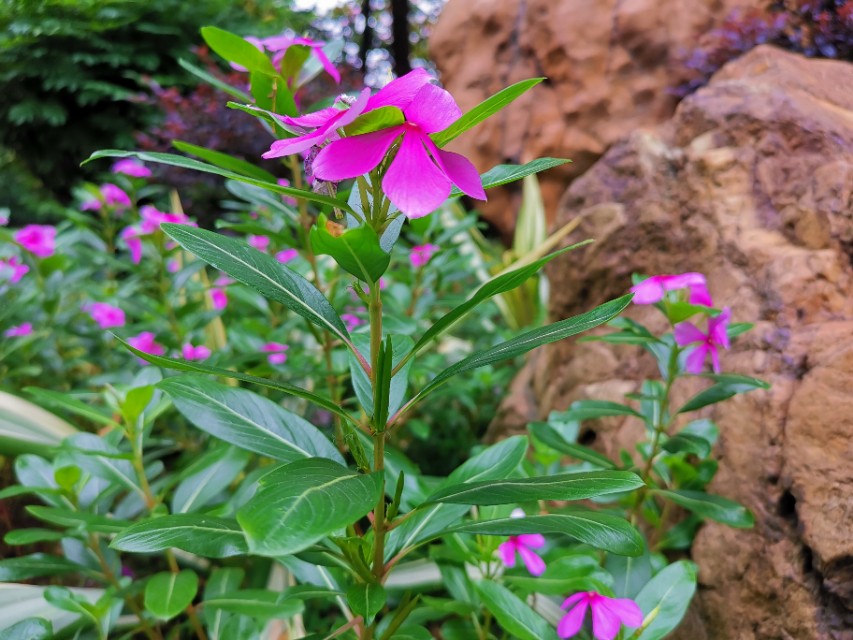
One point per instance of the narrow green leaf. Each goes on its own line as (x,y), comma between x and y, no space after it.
(213,81)
(247,420)
(209,476)
(18,537)
(235,49)
(366,600)
(221,581)
(256,603)
(712,507)
(725,386)
(71,404)
(225,161)
(592,409)
(548,435)
(564,575)
(488,107)
(513,614)
(667,596)
(600,530)
(506,173)
(402,345)
(91,522)
(202,535)
(34,566)
(300,503)
(688,443)
(167,593)
(381,118)
(101,459)
(29,629)
(356,250)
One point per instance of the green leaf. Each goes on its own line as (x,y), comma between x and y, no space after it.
(564,575)
(667,596)
(497,285)
(725,386)
(402,346)
(381,118)
(34,566)
(300,503)
(18,537)
(225,161)
(488,107)
(505,173)
(689,444)
(26,428)
(356,250)
(29,629)
(101,459)
(295,57)
(205,536)
(513,614)
(591,409)
(528,341)
(366,600)
(256,603)
(549,436)
(600,530)
(411,632)
(235,49)
(712,507)
(213,81)
(183,162)
(207,477)
(221,581)
(67,600)
(71,404)
(198,367)
(564,486)
(91,522)
(247,420)
(167,593)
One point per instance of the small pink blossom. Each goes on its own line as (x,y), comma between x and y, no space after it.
(280,44)
(351,321)
(173,266)
(421,254)
(131,167)
(286,255)
(289,200)
(218,298)
(4,219)
(38,239)
(261,243)
(653,289)
(106,315)
(19,331)
(111,196)
(608,615)
(145,343)
(523,545)
(687,333)
(223,281)
(199,352)
(13,269)
(276,351)
(150,223)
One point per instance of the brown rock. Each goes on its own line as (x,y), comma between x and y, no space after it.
(609,66)
(751,183)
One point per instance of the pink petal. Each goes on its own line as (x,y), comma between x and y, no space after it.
(535,565)
(605,624)
(462,173)
(413,182)
(572,622)
(290,146)
(353,157)
(532,540)
(626,610)
(432,109)
(717,328)
(327,64)
(569,602)
(687,333)
(400,92)
(682,280)
(715,358)
(507,553)
(695,362)
(355,110)
(314,119)
(648,291)
(699,294)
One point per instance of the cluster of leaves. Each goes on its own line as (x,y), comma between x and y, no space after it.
(816,28)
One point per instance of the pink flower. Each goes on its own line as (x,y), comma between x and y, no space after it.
(351,321)
(19,331)
(13,269)
(284,182)
(195,353)
(420,177)
(111,196)
(218,298)
(286,255)
(276,351)
(421,254)
(4,219)
(522,544)
(653,289)
(106,315)
(131,167)
(687,333)
(173,266)
(608,615)
(38,239)
(280,44)
(261,243)
(145,343)
(152,218)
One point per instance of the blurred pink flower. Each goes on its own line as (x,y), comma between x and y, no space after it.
(289,200)
(276,351)
(151,219)
(111,196)
(199,352)
(421,254)
(351,321)
(523,545)
(218,298)
(261,243)
(38,239)
(145,343)
(420,177)
(687,333)
(286,255)
(13,270)
(131,167)
(653,289)
(173,266)
(280,44)
(106,315)
(4,219)
(608,615)
(19,330)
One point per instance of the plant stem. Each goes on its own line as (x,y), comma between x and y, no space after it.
(379,523)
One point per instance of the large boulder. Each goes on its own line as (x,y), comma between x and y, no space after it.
(751,183)
(610,67)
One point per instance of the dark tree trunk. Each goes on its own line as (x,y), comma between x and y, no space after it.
(401,47)
(366,37)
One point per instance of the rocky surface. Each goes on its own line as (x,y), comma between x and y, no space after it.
(750,182)
(609,65)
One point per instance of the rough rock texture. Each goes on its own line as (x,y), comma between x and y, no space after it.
(609,66)
(751,182)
